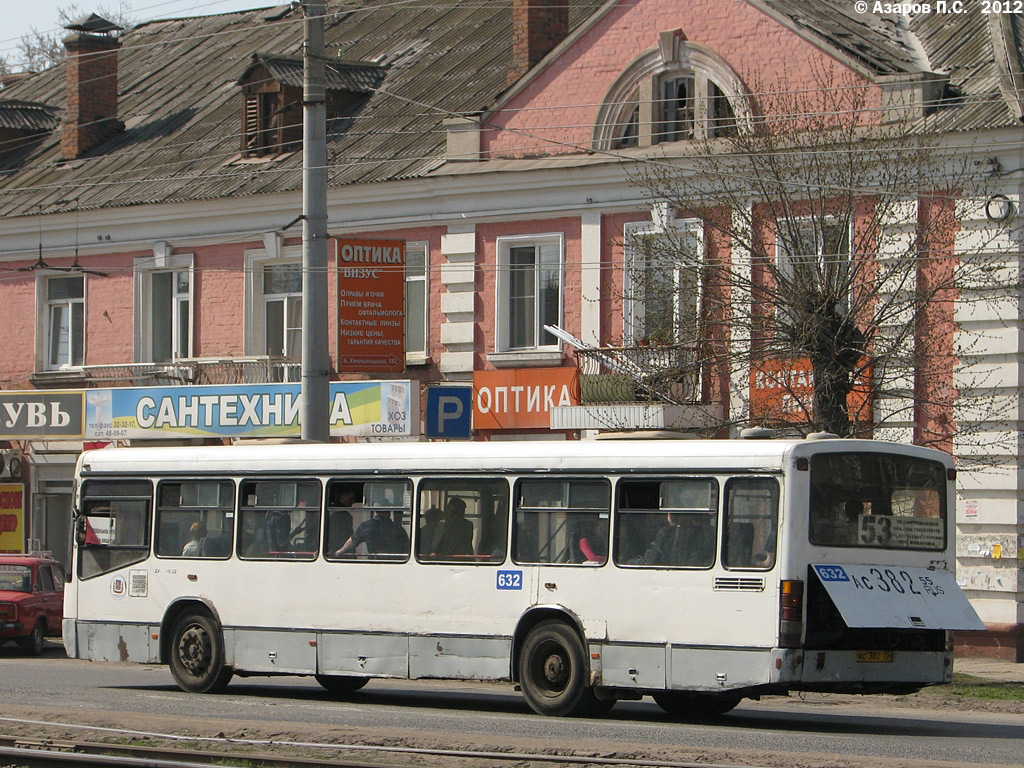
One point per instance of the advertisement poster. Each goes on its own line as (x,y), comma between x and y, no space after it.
(371,305)
(783,390)
(356,408)
(12,518)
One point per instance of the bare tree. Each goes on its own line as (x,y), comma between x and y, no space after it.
(823,260)
(39,50)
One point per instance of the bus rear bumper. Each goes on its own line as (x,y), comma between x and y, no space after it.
(864,671)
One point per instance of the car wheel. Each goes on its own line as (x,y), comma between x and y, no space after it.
(197,655)
(33,643)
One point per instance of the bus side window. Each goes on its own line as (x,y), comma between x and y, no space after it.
(562,521)
(751,522)
(112,527)
(279,519)
(194,518)
(368,519)
(671,522)
(462,521)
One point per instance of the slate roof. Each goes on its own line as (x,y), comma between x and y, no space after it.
(181,104)
(354,76)
(28,116)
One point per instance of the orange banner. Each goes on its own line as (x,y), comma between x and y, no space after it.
(12,518)
(371,306)
(783,390)
(521,398)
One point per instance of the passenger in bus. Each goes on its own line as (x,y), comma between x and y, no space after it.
(380,534)
(457,532)
(686,539)
(339,521)
(430,532)
(590,543)
(194,547)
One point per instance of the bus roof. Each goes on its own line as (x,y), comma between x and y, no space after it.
(769,455)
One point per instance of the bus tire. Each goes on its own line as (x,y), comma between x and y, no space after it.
(696,706)
(553,672)
(32,644)
(341,685)
(197,655)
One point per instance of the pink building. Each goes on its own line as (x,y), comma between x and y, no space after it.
(148,238)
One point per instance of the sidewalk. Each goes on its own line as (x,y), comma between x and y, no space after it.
(991,669)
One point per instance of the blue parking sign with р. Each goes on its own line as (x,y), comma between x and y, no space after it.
(449,412)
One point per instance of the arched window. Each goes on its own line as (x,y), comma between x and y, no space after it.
(677,91)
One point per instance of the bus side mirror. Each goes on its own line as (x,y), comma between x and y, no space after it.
(80,530)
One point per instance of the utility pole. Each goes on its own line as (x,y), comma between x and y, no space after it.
(315,360)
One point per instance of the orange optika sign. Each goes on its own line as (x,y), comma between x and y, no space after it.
(521,398)
(371,305)
(783,390)
(12,518)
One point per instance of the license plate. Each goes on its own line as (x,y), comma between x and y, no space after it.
(874,656)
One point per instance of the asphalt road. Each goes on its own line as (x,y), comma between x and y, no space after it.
(833,731)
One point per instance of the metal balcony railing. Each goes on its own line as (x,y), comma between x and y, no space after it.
(249,370)
(610,375)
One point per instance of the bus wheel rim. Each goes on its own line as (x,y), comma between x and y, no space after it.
(194,650)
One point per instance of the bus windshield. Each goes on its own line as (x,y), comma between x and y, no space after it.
(877,500)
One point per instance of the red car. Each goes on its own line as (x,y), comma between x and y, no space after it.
(31,600)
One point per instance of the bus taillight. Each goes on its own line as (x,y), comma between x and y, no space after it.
(791,611)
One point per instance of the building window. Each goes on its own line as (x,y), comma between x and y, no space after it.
(65,329)
(813,253)
(529,292)
(416,299)
(282,310)
(172,316)
(163,308)
(273,309)
(677,91)
(662,286)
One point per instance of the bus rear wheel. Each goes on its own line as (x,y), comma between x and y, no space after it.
(197,655)
(553,672)
(341,685)
(696,706)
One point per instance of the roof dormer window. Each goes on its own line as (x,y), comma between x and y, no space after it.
(678,91)
(272,99)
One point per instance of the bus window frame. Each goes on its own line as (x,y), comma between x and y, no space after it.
(328,508)
(230,515)
(571,512)
(773,533)
(82,527)
(304,556)
(429,484)
(620,513)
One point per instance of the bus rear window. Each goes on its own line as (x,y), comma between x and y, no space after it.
(877,500)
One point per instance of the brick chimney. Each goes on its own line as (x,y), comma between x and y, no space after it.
(90,110)
(537,27)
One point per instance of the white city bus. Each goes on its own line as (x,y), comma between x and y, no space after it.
(695,571)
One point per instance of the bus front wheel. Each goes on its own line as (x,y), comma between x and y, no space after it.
(197,655)
(553,672)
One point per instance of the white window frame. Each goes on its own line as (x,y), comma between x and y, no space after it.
(144,269)
(418,282)
(44,329)
(784,260)
(634,305)
(255,301)
(640,88)
(502,287)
